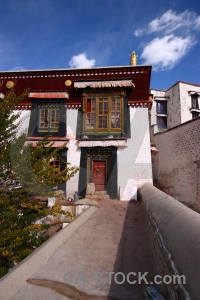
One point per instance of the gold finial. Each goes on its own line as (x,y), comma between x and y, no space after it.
(68,82)
(10,84)
(133,59)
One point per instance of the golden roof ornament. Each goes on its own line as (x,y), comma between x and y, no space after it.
(10,84)
(68,82)
(133,59)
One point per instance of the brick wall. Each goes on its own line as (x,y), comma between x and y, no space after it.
(176,167)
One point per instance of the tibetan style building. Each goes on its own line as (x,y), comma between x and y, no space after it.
(102,114)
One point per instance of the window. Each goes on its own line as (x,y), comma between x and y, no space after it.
(49,118)
(194,99)
(103,114)
(55,162)
(161,107)
(162,122)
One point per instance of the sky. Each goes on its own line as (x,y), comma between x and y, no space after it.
(62,34)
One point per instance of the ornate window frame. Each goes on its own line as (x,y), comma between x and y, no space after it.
(103,112)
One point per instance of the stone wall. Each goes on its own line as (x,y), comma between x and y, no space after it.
(174,230)
(176,167)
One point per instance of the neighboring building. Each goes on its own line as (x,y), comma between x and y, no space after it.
(175,129)
(178,104)
(103,116)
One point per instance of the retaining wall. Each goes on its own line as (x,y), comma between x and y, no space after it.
(176,167)
(175,231)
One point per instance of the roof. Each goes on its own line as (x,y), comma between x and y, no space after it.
(64,81)
(73,69)
(184,82)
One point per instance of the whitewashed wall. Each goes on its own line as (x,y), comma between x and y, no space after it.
(73,153)
(23,120)
(185,99)
(178,105)
(134,161)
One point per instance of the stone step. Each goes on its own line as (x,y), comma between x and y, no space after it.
(97,196)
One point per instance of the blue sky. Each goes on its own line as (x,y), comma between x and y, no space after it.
(59,34)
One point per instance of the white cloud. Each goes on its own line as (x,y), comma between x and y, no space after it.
(170,22)
(197,23)
(176,35)
(138,32)
(164,53)
(81,61)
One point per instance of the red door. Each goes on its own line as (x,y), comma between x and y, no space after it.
(99,174)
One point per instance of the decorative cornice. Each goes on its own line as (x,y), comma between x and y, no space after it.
(104,143)
(124,71)
(25,106)
(140,104)
(72,106)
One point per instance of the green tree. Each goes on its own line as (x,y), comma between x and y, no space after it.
(34,166)
(24,171)
(9,122)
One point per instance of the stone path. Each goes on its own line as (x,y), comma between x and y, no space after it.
(87,264)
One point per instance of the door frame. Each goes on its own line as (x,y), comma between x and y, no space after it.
(109,153)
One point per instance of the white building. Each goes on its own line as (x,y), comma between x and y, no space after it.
(102,114)
(178,104)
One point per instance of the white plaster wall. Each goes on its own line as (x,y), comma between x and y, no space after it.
(185,99)
(173,106)
(23,120)
(134,161)
(186,104)
(73,153)
(178,106)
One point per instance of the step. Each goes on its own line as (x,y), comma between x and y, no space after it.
(97,196)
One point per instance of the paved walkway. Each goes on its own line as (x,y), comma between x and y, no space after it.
(113,239)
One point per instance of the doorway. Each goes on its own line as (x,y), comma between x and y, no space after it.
(99,174)
(107,179)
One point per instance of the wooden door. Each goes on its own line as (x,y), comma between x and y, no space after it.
(99,174)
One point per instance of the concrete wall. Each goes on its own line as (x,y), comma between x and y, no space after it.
(134,161)
(174,229)
(176,167)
